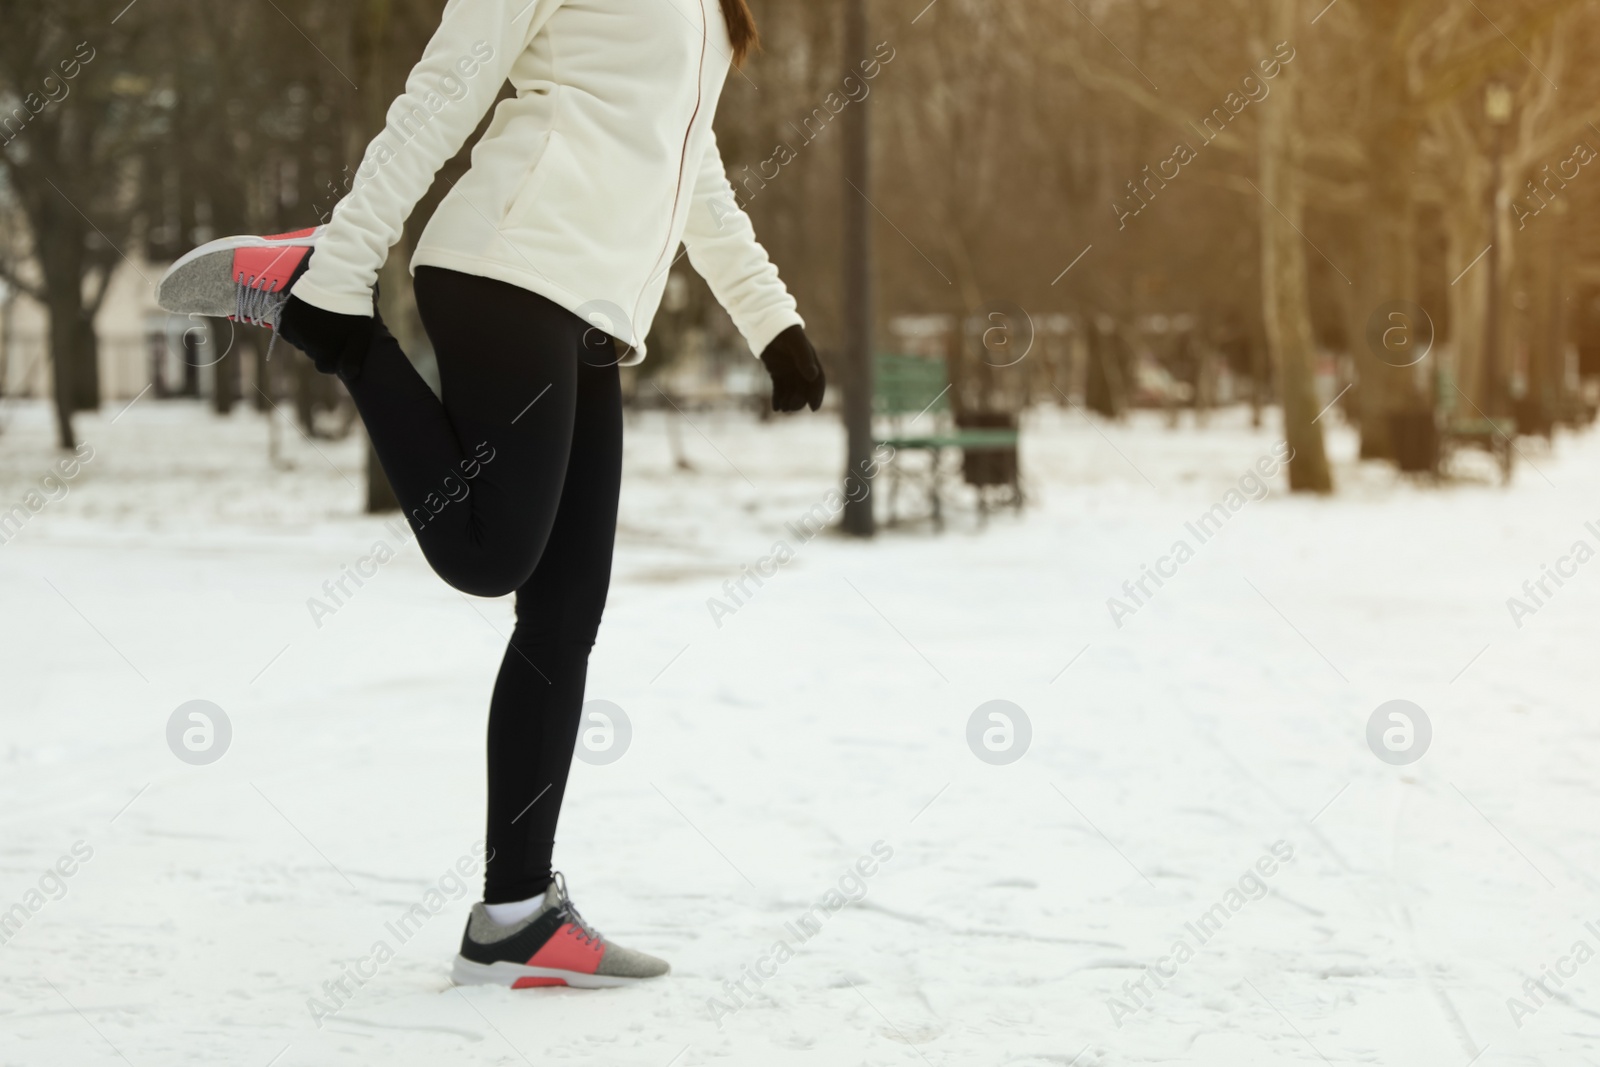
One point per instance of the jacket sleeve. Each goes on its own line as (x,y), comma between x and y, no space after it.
(446,95)
(723,249)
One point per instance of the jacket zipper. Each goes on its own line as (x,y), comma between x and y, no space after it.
(683,163)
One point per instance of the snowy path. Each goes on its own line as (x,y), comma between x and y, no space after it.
(1019,905)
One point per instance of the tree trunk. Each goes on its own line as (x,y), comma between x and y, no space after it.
(1105,385)
(1285,298)
(1499,349)
(305,396)
(64,365)
(1388,273)
(1387,223)
(8,310)
(61,263)
(86,371)
(1258,379)
(224,367)
(381,497)
(1554,363)
(263,389)
(193,353)
(1467,235)
(1539,335)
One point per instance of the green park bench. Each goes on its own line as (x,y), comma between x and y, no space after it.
(912,395)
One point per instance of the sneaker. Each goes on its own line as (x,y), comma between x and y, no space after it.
(246,279)
(551,947)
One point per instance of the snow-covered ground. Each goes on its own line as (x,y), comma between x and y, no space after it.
(1208,757)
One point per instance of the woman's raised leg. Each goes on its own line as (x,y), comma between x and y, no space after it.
(478,473)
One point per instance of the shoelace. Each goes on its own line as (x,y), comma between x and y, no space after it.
(256,305)
(590,934)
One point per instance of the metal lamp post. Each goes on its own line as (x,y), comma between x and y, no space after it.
(856,276)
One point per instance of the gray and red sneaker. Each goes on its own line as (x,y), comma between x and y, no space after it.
(246,278)
(551,947)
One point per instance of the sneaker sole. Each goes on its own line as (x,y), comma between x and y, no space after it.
(467,972)
(186,291)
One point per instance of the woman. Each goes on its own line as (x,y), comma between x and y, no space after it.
(536,278)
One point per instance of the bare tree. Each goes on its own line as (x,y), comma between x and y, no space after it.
(73,103)
(1285,295)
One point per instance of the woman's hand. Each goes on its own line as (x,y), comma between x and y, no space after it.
(336,343)
(797,378)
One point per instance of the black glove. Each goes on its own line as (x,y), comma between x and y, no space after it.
(336,343)
(797,378)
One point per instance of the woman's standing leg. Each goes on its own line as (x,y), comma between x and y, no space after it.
(538,697)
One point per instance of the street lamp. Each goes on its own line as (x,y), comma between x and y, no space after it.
(857,278)
(1497,104)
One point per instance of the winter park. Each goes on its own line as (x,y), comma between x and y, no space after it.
(1007,534)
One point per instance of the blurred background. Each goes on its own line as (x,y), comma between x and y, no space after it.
(1386,206)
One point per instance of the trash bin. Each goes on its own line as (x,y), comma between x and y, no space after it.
(1415,437)
(988,466)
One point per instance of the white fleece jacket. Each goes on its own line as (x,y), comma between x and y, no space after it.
(585,183)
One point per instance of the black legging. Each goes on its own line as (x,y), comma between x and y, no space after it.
(511,485)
